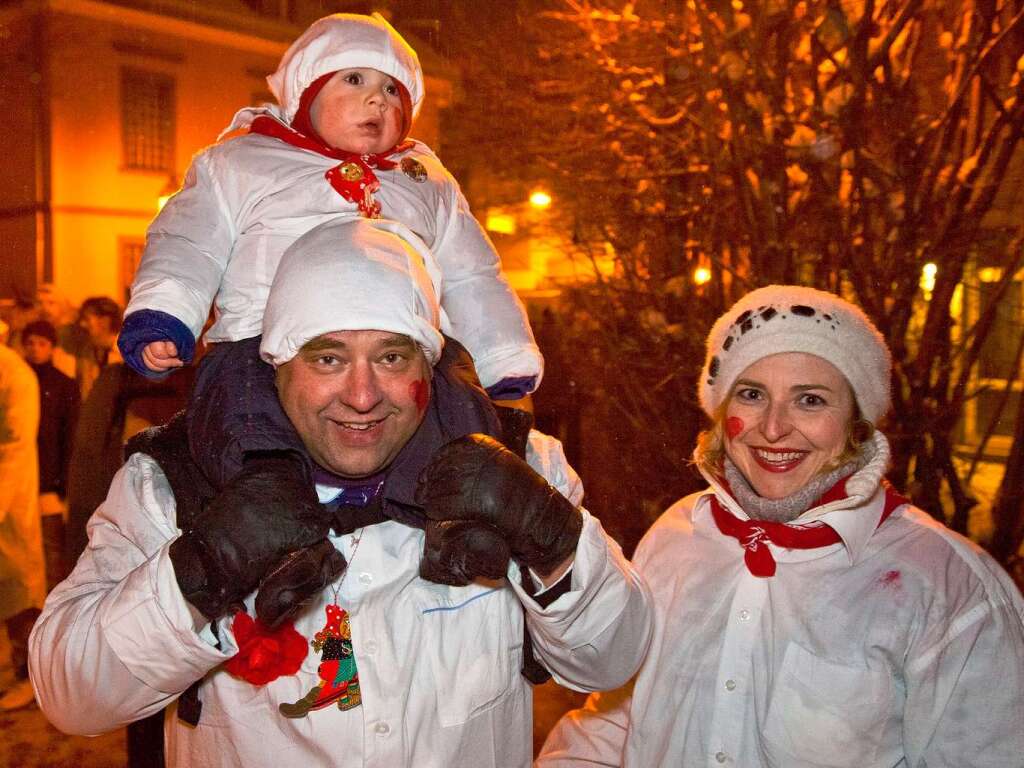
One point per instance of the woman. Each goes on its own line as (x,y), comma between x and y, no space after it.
(806,614)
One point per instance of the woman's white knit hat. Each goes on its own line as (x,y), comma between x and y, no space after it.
(794,318)
(345,41)
(354,274)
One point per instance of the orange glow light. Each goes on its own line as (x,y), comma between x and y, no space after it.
(502,223)
(540,199)
(927,281)
(170,188)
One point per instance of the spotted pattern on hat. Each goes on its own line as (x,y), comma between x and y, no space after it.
(751,319)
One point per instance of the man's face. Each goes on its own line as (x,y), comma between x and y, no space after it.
(359,110)
(355,397)
(38,350)
(50,307)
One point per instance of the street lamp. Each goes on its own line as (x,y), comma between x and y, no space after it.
(928,272)
(540,199)
(701,275)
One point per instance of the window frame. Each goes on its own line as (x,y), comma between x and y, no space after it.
(137,86)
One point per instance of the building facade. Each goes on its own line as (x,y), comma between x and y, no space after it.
(107,102)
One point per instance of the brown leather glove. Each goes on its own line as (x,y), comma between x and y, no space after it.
(266,514)
(484,505)
(297,578)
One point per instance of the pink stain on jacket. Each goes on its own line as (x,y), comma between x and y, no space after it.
(890,579)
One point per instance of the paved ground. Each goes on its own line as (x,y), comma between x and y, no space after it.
(27,740)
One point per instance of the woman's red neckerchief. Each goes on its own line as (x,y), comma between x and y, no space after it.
(752,535)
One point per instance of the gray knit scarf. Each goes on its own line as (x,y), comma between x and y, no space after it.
(790,507)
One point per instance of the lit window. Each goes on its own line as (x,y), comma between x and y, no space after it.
(502,223)
(999,352)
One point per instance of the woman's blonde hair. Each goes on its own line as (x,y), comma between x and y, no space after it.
(710,453)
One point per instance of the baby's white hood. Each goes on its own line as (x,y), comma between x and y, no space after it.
(344,41)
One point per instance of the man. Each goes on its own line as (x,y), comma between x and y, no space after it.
(72,340)
(58,412)
(21,313)
(100,318)
(417,640)
(121,403)
(22,584)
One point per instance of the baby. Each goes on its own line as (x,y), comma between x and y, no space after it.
(335,144)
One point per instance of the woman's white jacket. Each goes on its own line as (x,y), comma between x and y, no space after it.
(901,645)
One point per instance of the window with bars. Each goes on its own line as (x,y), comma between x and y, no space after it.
(147,120)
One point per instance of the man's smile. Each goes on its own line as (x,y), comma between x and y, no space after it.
(359,426)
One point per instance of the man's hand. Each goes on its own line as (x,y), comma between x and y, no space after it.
(484,505)
(254,528)
(161,356)
(298,577)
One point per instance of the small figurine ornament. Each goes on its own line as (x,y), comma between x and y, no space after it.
(339,678)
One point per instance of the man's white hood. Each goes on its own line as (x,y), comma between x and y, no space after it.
(354,274)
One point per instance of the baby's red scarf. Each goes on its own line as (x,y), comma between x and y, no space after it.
(353,178)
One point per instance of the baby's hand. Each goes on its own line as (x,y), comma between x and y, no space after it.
(161,356)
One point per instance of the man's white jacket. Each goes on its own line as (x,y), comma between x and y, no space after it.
(439,667)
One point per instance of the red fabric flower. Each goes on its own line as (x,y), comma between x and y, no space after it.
(264,654)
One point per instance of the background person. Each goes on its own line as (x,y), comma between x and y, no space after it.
(378,665)
(72,341)
(806,614)
(120,404)
(100,318)
(58,414)
(22,312)
(22,573)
